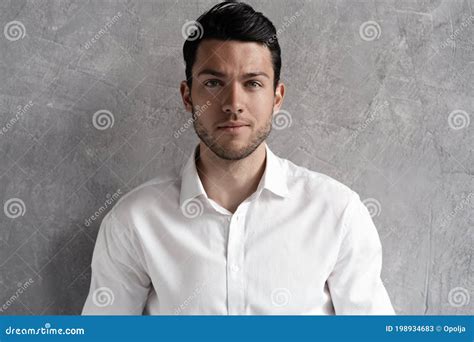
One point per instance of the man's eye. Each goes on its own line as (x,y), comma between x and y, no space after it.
(254,84)
(211,83)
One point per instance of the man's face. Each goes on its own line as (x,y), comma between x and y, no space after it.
(232,85)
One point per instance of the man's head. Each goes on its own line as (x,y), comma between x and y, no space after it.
(232,71)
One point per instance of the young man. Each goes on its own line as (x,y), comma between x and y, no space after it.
(239,230)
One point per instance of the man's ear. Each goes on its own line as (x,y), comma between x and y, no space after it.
(279,96)
(186,96)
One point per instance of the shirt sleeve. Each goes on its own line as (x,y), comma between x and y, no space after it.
(119,283)
(355,284)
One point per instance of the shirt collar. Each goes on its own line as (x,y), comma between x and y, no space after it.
(273,178)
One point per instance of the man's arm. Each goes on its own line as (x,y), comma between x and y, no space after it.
(119,284)
(355,284)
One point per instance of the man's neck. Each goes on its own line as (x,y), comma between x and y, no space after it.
(230,182)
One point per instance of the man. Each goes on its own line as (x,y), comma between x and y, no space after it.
(239,230)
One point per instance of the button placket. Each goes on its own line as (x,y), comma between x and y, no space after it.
(235,252)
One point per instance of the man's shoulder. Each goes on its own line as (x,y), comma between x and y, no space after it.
(149,192)
(319,186)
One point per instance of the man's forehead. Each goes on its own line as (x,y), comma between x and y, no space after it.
(251,57)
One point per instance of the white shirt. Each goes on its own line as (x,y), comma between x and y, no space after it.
(301,244)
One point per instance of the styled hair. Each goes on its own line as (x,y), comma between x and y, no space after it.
(232,21)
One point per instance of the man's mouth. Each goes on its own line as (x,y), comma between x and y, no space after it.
(232,128)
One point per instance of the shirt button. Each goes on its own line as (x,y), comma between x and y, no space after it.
(235,268)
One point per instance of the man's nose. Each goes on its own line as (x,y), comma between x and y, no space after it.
(232,98)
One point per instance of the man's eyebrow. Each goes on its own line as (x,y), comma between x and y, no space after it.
(221,74)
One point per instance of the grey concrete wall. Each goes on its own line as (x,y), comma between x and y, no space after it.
(380,97)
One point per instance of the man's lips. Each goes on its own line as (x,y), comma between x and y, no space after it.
(232,129)
(233,126)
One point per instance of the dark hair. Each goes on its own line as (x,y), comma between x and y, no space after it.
(232,21)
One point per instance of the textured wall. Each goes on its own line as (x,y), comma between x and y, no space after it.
(379,94)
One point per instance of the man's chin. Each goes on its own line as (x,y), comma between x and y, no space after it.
(233,150)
